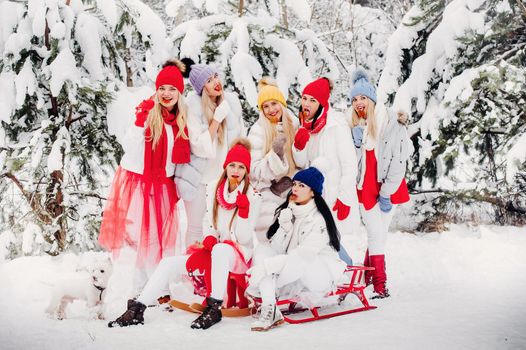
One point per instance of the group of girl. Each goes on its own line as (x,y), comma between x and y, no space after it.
(272,204)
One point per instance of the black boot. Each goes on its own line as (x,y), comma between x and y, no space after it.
(132,316)
(210,316)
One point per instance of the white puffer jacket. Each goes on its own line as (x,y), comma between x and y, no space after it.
(242,230)
(331,150)
(207,155)
(297,246)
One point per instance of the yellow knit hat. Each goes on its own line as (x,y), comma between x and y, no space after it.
(269,91)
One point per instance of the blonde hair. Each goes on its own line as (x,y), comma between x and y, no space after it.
(155,120)
(371,122)
(216,204)
(271,132)
(209,106)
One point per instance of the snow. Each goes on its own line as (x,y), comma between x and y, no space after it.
(58,31)
(25,83)
(62,69)
(515,157)
(460,289)
(58,150)
(109,10)
(9,16)
(290,64)
(441,45)
(121,111)
(7,95)
(88,37)
(300,8)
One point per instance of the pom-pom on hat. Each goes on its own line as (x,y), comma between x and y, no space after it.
(268,90)
(171,74)
(361,86)
(320,89)
(198,74)
(239,152)
(311,177)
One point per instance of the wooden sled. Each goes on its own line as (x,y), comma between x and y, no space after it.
(356,287)
(199,308)
(236,304)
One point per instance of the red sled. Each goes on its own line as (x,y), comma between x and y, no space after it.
(356,287)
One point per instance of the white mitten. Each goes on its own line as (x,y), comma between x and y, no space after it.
(285,219)
(221,111)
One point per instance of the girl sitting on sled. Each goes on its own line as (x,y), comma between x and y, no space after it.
(302,252)
(228,229)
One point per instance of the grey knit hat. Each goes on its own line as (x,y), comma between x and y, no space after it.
(198,74)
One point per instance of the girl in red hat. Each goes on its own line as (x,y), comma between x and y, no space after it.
(141,208)
(232,206)
(324,139)
(383,148)
(215,120)
(273,165)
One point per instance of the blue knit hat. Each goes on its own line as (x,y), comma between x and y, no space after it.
(311,177)
(361,86)
(198,74)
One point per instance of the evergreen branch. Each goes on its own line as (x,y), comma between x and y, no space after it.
(87,194)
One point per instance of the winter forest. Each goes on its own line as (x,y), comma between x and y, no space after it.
(73,71)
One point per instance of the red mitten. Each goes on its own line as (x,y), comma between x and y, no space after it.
(141,112)
(341,209)
(209,242)
(243,205)
(200,260)
(301,139)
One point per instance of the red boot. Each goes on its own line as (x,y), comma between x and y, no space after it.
(379,276)
(368,274)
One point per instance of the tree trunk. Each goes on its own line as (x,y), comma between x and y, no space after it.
(241,7)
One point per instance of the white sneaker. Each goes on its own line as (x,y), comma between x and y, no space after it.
(270,317)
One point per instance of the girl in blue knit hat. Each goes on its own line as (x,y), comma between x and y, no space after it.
(301,256)
(214,122)
(383,148)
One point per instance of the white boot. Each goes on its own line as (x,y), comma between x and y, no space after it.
(270,317)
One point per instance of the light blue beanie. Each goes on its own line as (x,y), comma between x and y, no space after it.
(361,86)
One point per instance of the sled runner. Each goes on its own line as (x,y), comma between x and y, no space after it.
(356,286)
(235,305)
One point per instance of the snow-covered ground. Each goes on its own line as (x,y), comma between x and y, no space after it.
(461,289)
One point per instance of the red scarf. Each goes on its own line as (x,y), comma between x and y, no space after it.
(220,195)
(320,122)
(155,159)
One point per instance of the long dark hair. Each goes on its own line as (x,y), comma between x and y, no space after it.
(316,115)
(323,208)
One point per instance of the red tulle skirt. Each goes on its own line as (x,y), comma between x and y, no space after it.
(142,213)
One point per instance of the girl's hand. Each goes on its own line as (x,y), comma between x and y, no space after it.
(278,145)
(221,111)
(285,219)
(301,138)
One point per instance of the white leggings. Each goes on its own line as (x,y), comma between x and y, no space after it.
(195,211)
(377,225)
(223,257)
(315,278)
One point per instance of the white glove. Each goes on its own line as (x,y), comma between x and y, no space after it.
(285,219)
(221,111)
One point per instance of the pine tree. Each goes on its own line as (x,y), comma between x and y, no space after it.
(466,94)
(252,39)
(62,63)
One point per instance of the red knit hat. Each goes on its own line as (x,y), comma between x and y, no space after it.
(320,89)
(170,75)
(238,153)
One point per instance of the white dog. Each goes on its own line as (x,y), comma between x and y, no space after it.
(87,285)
